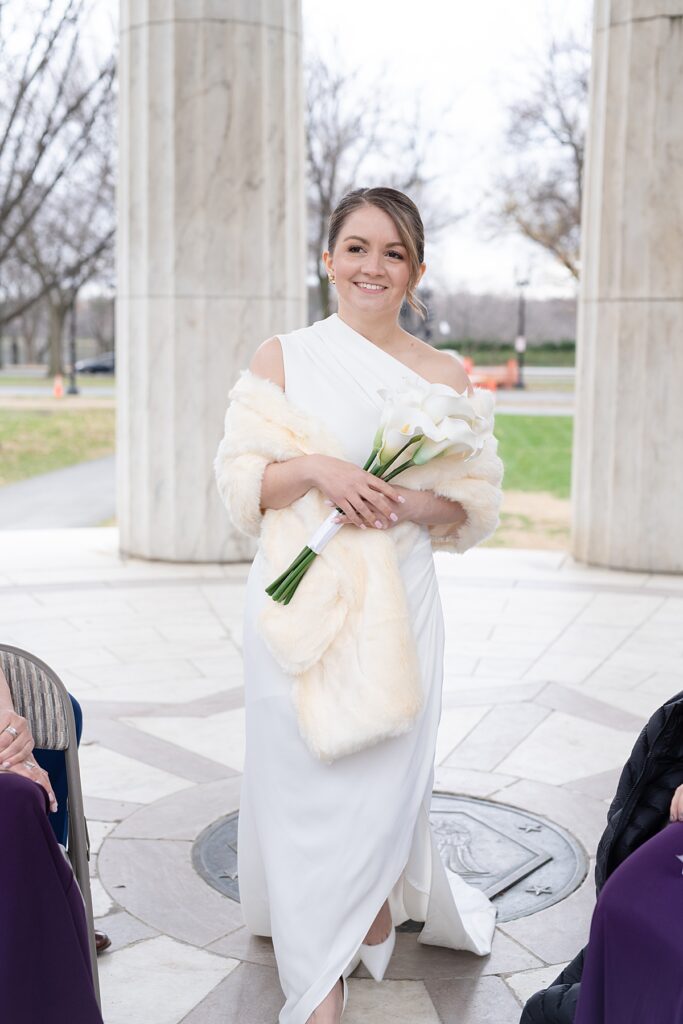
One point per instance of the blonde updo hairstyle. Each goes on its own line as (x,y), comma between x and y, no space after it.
(405,216)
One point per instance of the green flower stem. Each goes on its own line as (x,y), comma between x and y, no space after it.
(371,458)
(381,470)
(280,590)
(294,582)
(283,576)
(290,584)
(399,469)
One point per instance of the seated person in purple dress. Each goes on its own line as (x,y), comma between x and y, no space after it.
(633,967)
(631,971)
(45,972)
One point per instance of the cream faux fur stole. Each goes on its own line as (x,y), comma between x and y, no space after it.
(346,636)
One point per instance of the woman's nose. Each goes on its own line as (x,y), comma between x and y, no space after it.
(372,264)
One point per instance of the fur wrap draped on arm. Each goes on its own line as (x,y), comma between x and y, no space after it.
(346,637)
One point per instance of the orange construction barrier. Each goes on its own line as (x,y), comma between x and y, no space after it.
(58,386)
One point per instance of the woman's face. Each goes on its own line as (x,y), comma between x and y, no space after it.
(370,263)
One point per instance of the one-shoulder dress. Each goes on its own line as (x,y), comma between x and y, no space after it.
(322,845)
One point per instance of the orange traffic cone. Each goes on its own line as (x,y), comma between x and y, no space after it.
(58,386)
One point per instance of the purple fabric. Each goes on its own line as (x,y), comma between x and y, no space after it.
(633,972)
(45,975)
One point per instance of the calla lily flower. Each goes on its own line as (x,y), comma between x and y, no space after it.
(452,437)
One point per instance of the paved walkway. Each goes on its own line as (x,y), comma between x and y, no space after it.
(551,670)
(81,495)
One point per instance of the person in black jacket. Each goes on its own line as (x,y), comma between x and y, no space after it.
(649,795)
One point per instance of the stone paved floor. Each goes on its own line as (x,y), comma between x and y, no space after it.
(551,670)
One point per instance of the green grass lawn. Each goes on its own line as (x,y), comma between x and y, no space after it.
(536,451)
(37,441)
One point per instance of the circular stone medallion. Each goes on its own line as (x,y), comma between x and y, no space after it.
(523,863)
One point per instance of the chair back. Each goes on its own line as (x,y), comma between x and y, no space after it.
(37,696)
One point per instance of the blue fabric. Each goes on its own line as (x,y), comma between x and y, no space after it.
(54,763)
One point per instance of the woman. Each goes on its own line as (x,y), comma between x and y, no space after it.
(45,970)
(629,972)
(333,855)
(632,967)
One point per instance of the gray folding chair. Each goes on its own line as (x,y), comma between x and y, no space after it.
(39,696)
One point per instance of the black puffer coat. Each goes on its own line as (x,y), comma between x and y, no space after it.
(639,810)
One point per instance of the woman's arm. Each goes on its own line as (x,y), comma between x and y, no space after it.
(283,482)
(430,509)
(16,741)
(15,750)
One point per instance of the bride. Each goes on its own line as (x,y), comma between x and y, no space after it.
(333,854)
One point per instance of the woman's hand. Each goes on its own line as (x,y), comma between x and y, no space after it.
(30,770)
(677,805)
(16,741)
(364,499)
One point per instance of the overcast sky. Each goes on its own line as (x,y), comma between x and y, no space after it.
(467,59)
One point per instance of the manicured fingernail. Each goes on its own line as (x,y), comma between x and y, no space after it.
(393,517)
(378,524)
(327,501)
(401,499)
(363,526)
(5,764)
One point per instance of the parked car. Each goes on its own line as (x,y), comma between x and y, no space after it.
(105,363)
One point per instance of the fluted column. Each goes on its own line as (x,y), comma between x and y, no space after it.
(627,471)
(211,248)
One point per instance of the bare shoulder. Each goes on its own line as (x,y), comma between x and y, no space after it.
(440,366)
(267,361)
(451,371)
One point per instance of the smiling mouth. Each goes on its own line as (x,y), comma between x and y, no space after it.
(365,286)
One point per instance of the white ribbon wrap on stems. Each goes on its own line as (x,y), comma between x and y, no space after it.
(324,534)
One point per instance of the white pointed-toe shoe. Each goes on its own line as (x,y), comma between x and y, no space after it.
(376,957)
(345,990)
(348,970)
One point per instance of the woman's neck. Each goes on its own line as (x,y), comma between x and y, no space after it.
(381,330)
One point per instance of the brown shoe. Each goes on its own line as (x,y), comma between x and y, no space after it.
(102,942)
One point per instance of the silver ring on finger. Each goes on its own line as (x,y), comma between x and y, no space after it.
(30,764)
(11,730)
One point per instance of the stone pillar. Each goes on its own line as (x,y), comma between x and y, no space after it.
(627,469)
(211,248)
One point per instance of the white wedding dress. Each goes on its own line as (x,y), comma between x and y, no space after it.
(321,846)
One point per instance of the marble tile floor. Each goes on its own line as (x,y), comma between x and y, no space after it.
(551,670)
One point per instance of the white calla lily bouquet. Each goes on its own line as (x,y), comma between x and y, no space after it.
(418,424)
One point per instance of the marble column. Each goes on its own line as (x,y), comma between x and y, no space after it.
(627,468)
(211,248)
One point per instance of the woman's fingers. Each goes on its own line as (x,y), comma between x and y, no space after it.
(677,805)
(350,514)
(9,759)
(30,770)
(16,741)
(385,488)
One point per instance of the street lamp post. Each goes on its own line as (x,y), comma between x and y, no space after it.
(520,340)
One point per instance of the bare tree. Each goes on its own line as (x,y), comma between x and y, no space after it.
(540,197)
(50,113)
(70,239)
(354,138)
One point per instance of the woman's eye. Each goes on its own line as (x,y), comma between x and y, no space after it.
(353,248)
(393,253)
